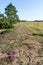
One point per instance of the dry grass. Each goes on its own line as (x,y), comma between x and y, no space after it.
(24,34)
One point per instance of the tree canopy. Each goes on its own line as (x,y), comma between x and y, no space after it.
(11,13)
(10,18)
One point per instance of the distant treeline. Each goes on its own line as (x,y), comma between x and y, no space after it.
(25,21)
(31,21)
(38,21)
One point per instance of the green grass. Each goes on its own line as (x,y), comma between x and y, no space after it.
(36,28)
(6,31)
(37,31)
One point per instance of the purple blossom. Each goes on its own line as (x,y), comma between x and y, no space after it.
(11,53)
(31,47)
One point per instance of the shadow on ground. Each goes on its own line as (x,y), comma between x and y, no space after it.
(34,34)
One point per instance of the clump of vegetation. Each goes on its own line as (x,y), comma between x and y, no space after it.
(6,31)
(10,17)
(5,22)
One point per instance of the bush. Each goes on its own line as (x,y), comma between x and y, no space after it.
(5,22)
(5,25)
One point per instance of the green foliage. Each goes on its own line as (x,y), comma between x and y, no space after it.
(4,22)
(6,31)
(11,13)
(11,17)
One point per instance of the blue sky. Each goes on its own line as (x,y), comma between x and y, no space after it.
(27,9)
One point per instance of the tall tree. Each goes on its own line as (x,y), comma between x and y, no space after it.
(11,13)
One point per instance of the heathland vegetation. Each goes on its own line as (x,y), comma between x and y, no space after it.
(20,43)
